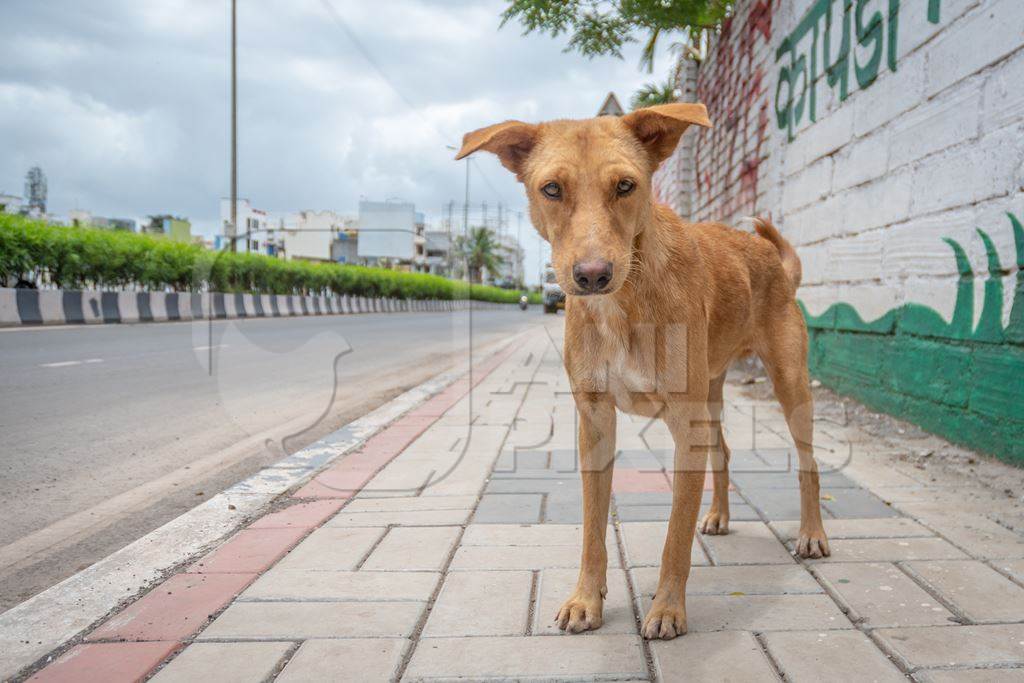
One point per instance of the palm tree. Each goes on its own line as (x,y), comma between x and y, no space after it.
(654,93)
(480,250)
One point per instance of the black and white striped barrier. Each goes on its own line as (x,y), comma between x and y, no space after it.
(55,306)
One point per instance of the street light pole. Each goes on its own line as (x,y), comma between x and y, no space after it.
(234,132)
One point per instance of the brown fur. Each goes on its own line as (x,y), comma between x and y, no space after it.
(685,299)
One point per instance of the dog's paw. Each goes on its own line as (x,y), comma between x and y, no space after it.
(664,621)
(580,613)
(812,544)
(715,523)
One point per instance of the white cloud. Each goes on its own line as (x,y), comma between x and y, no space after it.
(125,104)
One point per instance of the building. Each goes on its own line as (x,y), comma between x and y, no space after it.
(391,233)
(437,252)
(11,203)
(79,217)
(510,273)
(172,227)
(611,106)
(256,229)
(312,236)
(35,192)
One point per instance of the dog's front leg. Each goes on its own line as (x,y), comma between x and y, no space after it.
(583,610)
(688,421)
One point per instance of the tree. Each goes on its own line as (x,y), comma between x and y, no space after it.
(603,27)
(654,93)
(479,249)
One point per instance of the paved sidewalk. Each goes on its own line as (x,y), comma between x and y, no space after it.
(443,548)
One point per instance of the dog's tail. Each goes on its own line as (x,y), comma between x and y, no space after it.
(790,261)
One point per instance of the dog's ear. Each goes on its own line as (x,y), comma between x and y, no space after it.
(511,141)
(659,128)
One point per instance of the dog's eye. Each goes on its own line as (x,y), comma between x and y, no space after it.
(624,187)
(552,191)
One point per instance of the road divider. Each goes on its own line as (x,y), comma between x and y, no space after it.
(62,307)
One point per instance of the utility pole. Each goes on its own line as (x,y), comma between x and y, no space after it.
(465,203)
(234,132)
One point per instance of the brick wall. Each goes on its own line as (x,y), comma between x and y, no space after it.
(886,140)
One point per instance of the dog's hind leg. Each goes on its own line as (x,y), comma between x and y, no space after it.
(716,521)
(583,610)
(785,359)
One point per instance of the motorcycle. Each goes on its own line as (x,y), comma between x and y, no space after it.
(524,302)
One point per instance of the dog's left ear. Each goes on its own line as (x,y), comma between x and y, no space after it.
(659,128)
(512,141)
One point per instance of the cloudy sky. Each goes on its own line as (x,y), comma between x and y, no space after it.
(125,104)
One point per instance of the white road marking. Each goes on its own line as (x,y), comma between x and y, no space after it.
(67,363)
(213,346)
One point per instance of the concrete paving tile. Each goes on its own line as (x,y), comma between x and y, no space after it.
(978,591)
(644,542)
(738,512)
(561,511)
(317,490)
(407,504)
(747,543)
(728,656)
(302,620)
(643,513)
(788,480)
(352,660)
(776,503)
(303,515)
(249,551)
(331,549)
(538,657)
(1014,675)
(766,579)
(174,609)
(888,527)
(309,586)
(521,557)
(413,549)
(956,646)
(643,499)
(522,484)
(105,662)
(556,585)
(507,508)
(512,461)
(628,480)
(1014,568)
(528,534)
(224,663)
(880,595)
(855,503)
(813,656)
(457,611)
(400,518)
(985,539)
(762,613)
(890,550)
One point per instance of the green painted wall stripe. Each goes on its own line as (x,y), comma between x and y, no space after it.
(964,384)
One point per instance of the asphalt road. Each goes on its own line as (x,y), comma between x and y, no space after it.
(109,431)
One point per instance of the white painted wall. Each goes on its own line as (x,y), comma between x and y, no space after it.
(868,190)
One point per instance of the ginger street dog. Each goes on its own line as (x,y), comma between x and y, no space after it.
(656,310)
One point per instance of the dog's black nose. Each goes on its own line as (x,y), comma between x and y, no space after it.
(592,276)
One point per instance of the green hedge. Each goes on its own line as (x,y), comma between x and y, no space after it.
(88,258)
